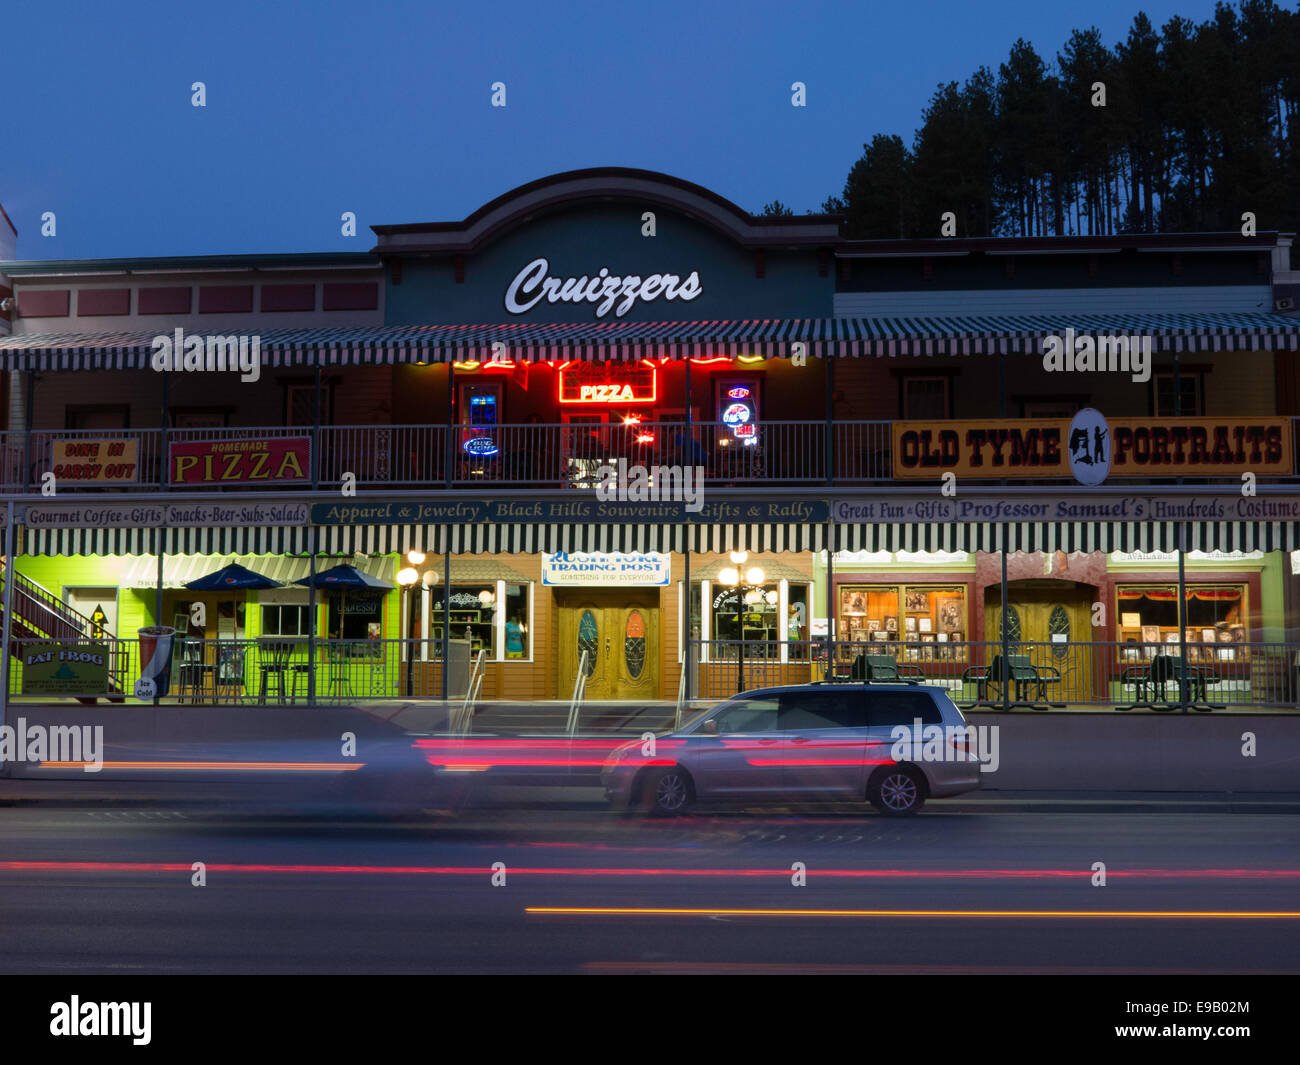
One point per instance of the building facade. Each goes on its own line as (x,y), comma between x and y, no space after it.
(540,433)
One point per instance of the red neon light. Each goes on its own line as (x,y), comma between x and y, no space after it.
(612,393)
(715,358)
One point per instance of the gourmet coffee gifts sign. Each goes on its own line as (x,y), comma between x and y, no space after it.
(1032,449)
(275,460)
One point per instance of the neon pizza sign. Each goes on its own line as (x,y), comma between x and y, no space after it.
(608,383)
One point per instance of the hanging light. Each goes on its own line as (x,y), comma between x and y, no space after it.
(414,557)
(729,577)
(754,575)
(739,557)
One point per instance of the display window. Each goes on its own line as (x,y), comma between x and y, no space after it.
(359,617)
(1216,621)
(753,614)
(922,622)
(473,610)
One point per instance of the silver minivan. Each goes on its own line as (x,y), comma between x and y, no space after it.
(804,743)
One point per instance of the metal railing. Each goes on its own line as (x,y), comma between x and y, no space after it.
(579,690)
(556,455)
(1091,674)
(277,670)
(463,722)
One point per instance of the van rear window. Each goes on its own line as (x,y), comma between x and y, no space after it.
(886,709)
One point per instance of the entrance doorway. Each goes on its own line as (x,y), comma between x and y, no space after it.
(1051,621)
(619,631)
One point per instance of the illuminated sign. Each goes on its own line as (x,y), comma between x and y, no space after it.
(607,291)
(739,392)
(1137,447)
(608,383)
(736,414)
(483,446)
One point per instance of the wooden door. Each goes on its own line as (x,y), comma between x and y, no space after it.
(619,631)
(1053,620)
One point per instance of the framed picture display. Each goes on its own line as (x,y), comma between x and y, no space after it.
(911,624)
(1208,636)
(873,624)
(1150,633)
(891,624)
(925,624)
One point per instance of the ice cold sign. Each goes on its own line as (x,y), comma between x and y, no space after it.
(607,291)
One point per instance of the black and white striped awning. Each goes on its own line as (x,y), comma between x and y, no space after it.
(480,539)
(1070,537)
(629,341)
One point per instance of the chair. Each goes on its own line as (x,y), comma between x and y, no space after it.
(1018,670)
(229,672)
(883,668)
(192,672)
(273,657)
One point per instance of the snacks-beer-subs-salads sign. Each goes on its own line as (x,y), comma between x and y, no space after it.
(1028,449)
(276,460)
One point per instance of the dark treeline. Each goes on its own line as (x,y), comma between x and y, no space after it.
(1199,126)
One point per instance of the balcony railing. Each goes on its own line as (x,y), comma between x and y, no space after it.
(1096,674)
(555,456)
(1087,676)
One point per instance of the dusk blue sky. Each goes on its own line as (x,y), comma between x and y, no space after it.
(383,108)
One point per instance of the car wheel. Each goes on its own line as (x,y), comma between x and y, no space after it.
(668,792)
(897,791)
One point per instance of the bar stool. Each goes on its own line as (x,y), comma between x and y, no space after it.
(273,666)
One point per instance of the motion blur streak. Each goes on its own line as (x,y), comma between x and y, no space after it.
(612,911)
(479,870)
(263,767)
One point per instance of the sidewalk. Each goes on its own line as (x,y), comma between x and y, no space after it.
(101,793)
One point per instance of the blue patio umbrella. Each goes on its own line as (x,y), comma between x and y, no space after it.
(342,578)
(232,578)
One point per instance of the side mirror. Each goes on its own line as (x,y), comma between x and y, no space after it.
(710,727)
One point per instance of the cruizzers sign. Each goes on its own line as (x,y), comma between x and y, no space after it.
(1030,449)
(275,460)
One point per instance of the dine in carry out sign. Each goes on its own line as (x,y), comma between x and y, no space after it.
(1027,449)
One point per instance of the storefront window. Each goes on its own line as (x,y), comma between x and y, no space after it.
(282,620)
(1217,625)
(357,616)
(518,634)
(760,623)
(895,615)
(473,616)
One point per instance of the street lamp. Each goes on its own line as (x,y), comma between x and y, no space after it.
(732,578)
(407,578)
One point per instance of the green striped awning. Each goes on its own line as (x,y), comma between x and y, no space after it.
(627,341)
(1070,537)
(479,539)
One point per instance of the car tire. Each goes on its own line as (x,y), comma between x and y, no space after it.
(897,791)
(667,792)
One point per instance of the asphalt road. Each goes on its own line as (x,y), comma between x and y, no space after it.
(109,890)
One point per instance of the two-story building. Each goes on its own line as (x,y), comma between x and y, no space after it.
(542,431)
